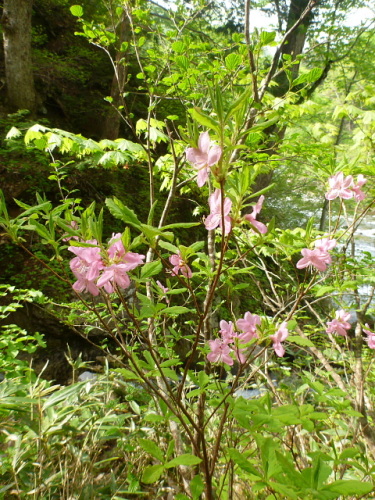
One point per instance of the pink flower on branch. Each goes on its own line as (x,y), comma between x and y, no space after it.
(370,337)
(358,194)
(248,325)
(344,187)
(180,266)
(259,226)
(203,157)
(220,352)
(340,324)
(215,218)
(340,186)
(281,335)
(319,257)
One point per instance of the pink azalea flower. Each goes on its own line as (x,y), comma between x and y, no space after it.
(180,265)
(259,226)
(315,258)
(118,254)
(340,187)
(114,275)
(227,331)
(220,352)
(215,218)
(325,244)
(84,285)
(203,157)
(248,325)
(281,334)
(340,324)
(358,194)
(88,261)
(370,338)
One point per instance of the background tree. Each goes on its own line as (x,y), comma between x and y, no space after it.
(16,22)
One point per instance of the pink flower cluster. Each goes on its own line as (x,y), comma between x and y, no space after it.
(232,341)
(93,272)
(319,257)
(340,324)
(203,157)
(344,187)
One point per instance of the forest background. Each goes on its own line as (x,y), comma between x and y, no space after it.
(100,103)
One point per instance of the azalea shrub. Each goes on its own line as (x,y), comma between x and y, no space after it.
(150,301)
(252,342)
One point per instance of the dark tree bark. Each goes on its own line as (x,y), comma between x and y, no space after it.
(16,22)
(294,43)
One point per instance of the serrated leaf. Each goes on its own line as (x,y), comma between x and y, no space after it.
(232,61)
(185,459)
(242,462)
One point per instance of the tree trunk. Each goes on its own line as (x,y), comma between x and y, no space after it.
(16,22)
(111,125)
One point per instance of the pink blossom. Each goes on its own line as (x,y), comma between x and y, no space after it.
(114,275)
(220,352)
(84,285)
(315,258)
(340,187)
(118,254)
(325,244)
(370,338)
(88,261)
(340,324)
(281,334)
(180,265)
(203,157)
(358,194)
(248,325)
(227,331)
(259,226)
(215,218)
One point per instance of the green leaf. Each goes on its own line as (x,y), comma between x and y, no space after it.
(204,119)
(168,246)
(152,473)
(185,459)
(76,10)
(267,37)
(175,310)
(350,487)
(242,462)
(151,268)
(232,61)
(120,211)
(300,341)
(151,448)
(196,487)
